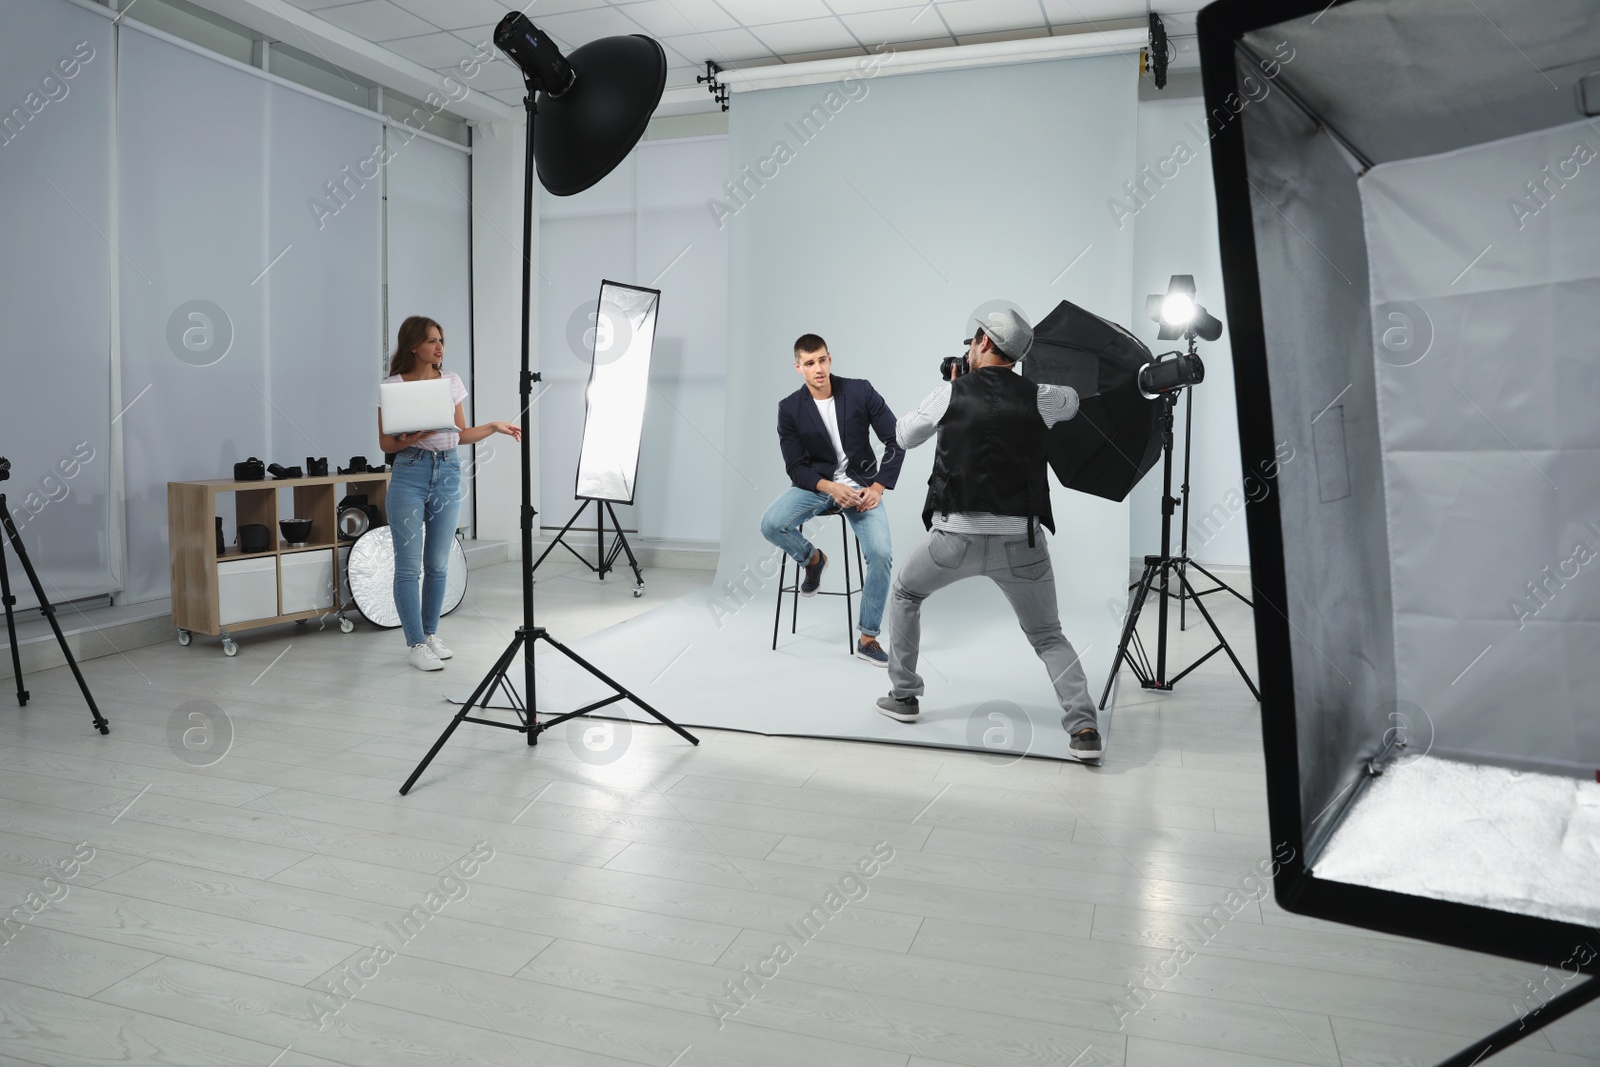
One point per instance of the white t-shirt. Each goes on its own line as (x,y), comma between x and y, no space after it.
(831,420)
(439,442)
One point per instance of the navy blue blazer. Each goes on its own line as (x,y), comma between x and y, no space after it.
(808,450)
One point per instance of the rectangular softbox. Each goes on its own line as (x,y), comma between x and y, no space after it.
(1409,207)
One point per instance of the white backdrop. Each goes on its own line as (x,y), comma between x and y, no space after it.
(56,77)
(646,224)
(885,230)
(430,269)
(218,170)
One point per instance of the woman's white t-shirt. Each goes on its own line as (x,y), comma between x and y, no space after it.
(439,442)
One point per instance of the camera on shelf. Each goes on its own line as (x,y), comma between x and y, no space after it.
(317,468)
(5,468)
(359,465)
(280,472)
(250,470)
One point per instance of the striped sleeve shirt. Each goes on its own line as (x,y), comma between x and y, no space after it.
(1057,403)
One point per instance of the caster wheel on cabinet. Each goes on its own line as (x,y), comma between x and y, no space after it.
(184,637)
(346,626)
(229,648)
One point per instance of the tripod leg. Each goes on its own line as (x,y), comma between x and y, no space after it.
(622,539)
(49,613)
(494,678)
(1220,584)
(620,690)
(552,545)
(1135,606)
(1223,641)
(11,628)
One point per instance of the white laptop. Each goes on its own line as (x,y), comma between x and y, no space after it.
(412,406)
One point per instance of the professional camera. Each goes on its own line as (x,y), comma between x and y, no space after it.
(317,468)
(359,465)
(250,470)
(280,472)
(958,362)
(5,468)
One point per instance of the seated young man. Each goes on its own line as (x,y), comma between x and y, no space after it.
(823,432)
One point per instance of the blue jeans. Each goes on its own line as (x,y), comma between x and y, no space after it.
(424,500)
(781,525)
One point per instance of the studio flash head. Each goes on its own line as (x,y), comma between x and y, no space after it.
(1171,373)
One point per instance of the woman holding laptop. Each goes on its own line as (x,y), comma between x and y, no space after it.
(425,491)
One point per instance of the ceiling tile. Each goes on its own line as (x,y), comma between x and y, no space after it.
(454,14)
(493,77)
(854,7)
(1070,12)
(671,18)
(312,5)
(724,46)
(375,20)
(986,16)
(432,50)
(899,24)
(761,12)
(580,27)
(806,35)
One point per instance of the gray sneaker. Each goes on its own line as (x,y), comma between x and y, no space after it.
(1086,746)
(905,710)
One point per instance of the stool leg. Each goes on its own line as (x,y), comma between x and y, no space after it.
(777,612)
(799,576)
(849,613)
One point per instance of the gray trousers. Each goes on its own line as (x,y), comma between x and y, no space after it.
(1023,575)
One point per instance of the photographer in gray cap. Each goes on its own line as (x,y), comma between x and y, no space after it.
(987,499)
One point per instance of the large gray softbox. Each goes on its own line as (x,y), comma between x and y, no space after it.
(1409,202)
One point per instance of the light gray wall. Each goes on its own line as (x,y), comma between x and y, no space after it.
(1174,221)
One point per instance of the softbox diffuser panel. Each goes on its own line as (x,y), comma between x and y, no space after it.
(1304,101)
(619,379)
(1116,436)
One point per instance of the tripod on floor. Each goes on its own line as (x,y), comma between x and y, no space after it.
(498,678)
(1159,570)
(608,559)
(14,539)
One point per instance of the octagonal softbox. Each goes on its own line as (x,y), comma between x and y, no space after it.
(1409,206)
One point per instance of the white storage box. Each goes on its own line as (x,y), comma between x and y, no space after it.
(247,589)
(307,581)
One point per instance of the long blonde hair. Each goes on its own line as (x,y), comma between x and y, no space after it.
(413,332)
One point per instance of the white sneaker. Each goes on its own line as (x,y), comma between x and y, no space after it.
(423,659)
(438,647)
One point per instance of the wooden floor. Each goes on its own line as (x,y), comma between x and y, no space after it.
(284,905)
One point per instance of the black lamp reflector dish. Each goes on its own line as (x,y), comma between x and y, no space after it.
(581,135)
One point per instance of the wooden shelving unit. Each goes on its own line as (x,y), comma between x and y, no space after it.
(219,595)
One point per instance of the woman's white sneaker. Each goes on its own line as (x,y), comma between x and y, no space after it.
(438,647)
(423,659)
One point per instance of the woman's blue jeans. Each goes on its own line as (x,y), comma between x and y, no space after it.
(424,501)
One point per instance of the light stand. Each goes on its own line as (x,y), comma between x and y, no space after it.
(1158,571)
(567,173)
(608,559)
(14,539)
(1184,562)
